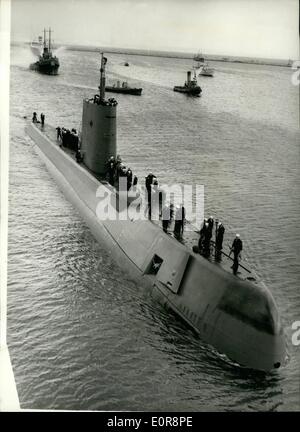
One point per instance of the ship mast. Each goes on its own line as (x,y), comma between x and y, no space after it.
(102,78)
(49,44)
(44,38)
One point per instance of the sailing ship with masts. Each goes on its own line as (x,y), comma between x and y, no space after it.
(202,66)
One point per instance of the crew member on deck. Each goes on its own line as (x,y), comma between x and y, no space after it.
(135,180)
(148,183)
(129,175)
(166,217)
(158,199)
(236,248)
(58,133)
(34,118)
(111,170)
(79,157)
(202,235)
(219,236)
(179,221)
(42,119)
(118,167)
(206,240)
(210,222)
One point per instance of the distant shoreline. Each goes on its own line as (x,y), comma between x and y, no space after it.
(177,55)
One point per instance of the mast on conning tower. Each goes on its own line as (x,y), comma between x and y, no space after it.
(102,78)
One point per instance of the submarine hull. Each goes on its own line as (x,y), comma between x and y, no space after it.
(238,318)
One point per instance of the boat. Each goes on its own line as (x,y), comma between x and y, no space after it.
(47,63)
(236,314)
(205,70)
(36,46)
(126,64)
(190,87)
(124,88)
(199,57)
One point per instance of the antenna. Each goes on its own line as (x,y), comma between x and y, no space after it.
(102,78)
(44,38)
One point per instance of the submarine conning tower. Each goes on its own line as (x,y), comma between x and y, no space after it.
(99,128)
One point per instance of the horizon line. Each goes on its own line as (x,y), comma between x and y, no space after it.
(164,53)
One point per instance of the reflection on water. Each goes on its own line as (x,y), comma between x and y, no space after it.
(82,333)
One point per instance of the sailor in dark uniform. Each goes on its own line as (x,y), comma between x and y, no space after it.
(78,155)
(156,197)
(118,166)
(166,217)
(202,235)
(42,119)
(148,183)
(34,118)
(210,222)
(206,240)
(63,135)
(129,175)
(179,221)
(58,133)
(111,170)
(219,236)
(236,248)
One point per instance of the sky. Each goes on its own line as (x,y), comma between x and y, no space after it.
(251,28)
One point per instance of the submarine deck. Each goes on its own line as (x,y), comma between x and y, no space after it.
(191,233)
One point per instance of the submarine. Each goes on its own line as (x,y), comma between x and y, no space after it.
(236,315)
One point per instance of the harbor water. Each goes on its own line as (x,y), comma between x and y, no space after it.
(82,334)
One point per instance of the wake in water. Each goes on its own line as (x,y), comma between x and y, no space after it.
(79,86)
(60,50)
(23,56)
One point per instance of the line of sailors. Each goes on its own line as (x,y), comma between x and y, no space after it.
(204,243)
(35,119)
(115,170)
(97,100)
(206,233)
(178,214)
(70,139)
(167,213)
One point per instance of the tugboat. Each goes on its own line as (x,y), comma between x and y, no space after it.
(190,86)
(205,70)
(237,315)
(47,63)
(125,89)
